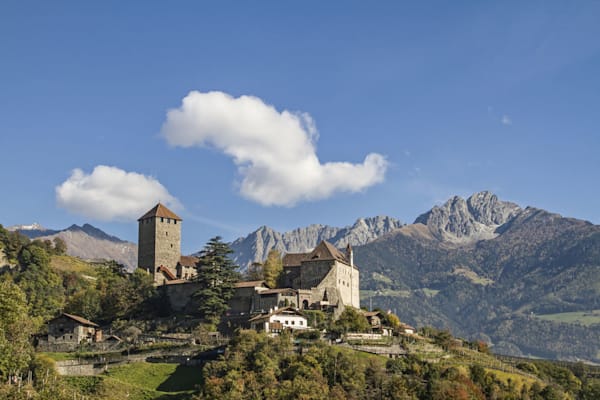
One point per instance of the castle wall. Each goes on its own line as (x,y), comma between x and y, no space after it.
(346,280)
(313,272)
(242,301)
(291,277)
(180,295)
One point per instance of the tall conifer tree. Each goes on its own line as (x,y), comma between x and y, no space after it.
(217,275)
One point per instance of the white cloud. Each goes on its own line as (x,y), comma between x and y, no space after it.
(274,151)
(109,193)
(506,120)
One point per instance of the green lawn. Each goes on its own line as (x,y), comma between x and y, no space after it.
(139,381)
(585,318)
(160,377)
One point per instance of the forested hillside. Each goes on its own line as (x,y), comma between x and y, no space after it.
(503,289)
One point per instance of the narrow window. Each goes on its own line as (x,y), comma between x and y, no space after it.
(162,219)
(167,233)
(175,221)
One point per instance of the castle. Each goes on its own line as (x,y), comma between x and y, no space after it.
(324,278)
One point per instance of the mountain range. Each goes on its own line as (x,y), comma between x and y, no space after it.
(86,242)
(256,246)
(524,279)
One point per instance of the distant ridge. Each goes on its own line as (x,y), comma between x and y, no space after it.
(86,242)
(257,245)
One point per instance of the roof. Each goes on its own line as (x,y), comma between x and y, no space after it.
(167,272)
(324,251)
(283,310)
(281,290)
(245,284)
(294,259)
(372,313)
(327,251)
(77,318)
(160,210)
(188,261)
(406,326)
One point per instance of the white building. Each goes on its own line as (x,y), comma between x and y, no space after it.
(278,320)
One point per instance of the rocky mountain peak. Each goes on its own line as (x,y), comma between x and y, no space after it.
(463,221)
(257,245)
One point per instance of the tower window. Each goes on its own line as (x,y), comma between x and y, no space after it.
(171,245)
(162,219)
(167,233)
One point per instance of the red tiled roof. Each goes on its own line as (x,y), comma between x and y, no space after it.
(160,210)
(167,272)
(79,319)
(188,261)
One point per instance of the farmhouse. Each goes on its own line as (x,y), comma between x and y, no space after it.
(68,331)
(279,319)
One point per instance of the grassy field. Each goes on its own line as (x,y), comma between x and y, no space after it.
(585,318)
(159,377)
(71,264)
(139,381)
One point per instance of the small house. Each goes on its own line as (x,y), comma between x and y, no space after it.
(71,330)
(278,320)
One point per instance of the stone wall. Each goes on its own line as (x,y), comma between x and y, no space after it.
(243,301)
(180,295)
(80,368)
(313,272)
(346,280)
(291,277)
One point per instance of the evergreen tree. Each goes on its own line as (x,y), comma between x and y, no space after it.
(217,276)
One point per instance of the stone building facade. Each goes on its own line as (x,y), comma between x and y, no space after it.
(325,279)
(159,246)
(68,331)
(329,274)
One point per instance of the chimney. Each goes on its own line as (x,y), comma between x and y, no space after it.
(350,255)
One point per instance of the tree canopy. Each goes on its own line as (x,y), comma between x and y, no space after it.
(217,275)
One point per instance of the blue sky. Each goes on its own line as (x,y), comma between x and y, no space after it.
(449,98)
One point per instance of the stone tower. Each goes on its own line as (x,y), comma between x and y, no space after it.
(159,242)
